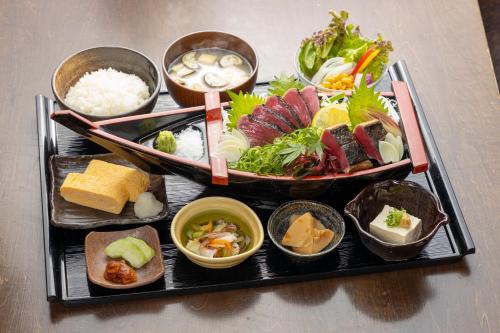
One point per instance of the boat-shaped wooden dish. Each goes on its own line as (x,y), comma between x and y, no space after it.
(133,138)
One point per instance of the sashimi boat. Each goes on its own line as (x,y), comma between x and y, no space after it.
(353,158)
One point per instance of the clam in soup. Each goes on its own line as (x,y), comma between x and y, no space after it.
(210,69)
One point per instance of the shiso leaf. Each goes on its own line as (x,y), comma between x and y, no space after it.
(242,104)
(364,104)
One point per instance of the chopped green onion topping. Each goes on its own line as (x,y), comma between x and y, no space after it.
(394,217)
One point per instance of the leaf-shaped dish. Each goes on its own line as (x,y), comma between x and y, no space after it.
(72,216)
(96,259)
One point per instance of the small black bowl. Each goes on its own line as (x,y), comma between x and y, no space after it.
(411,196)
(279,222)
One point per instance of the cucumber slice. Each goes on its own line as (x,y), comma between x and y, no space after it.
(134,256)
(146,250)
(117,248)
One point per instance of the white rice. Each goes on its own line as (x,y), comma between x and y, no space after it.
(107,92)
(189,144)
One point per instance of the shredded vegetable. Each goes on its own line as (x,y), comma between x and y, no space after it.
(272,159)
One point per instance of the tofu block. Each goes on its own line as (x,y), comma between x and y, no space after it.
(103,193)
(135,181)
(395,235)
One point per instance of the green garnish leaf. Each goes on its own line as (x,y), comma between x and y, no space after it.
(332,99)
(322,45)
(339,39)
(240,105)
(282,83)
(364,103)
(271,159)
(394,217)
(376,66)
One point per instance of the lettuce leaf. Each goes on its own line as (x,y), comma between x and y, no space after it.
(354,45)
(240,105)
(341,40)
(378,63)
(322,45)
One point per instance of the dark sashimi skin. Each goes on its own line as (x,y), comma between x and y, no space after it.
(310,95)
(368,134)
(340,143)
(342,134)
(354,153)
(278,105)
(266,114)
(257,132)
(292,97)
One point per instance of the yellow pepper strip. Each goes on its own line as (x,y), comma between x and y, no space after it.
(368,60)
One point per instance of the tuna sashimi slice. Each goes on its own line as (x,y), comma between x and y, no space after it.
(292,97)
(258,133)
(368,134)
(310,95)
(280,106)
(266,114)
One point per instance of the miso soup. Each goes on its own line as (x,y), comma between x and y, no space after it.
(210,69)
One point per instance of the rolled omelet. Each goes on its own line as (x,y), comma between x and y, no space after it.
(135,181)
(103,193)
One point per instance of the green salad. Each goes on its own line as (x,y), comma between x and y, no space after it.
(340,48)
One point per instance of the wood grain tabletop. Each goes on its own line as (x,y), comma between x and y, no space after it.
(445,48)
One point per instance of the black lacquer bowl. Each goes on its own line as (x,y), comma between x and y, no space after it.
(279,223)
(414,198)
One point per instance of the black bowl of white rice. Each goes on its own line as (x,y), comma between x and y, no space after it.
(107,82)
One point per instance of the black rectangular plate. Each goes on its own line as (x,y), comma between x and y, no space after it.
(64,253)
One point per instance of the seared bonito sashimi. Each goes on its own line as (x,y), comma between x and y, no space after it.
(280,115)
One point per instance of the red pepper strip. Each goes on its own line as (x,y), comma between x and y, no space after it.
(362,59)
(368,60)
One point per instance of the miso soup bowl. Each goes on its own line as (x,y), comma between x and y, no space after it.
(186,97)
(417,201)
(223,205)
(122,59)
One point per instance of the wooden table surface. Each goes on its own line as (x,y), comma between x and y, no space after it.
(444,45)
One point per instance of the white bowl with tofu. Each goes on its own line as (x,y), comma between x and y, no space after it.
(396,219)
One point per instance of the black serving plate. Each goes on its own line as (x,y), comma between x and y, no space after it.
(64,249)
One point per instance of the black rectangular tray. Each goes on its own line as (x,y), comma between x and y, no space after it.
(64,252)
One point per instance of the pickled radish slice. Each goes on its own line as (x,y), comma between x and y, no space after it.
(388,152)
(397,141)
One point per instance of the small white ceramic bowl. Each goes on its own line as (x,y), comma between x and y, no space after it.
(306,81)
(217,204)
